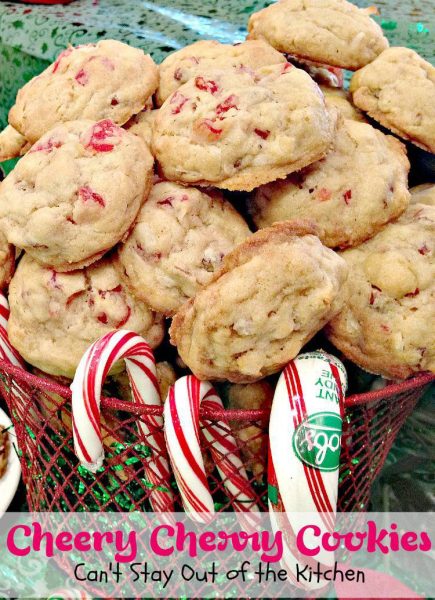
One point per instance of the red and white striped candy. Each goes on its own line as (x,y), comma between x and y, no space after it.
(304,450)
(86,397)
(182,432)
(7,352)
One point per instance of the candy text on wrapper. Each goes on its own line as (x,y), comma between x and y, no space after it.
(317,441)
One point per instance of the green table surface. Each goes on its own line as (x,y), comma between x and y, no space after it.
(32,35)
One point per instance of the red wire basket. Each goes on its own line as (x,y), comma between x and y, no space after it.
(41,412)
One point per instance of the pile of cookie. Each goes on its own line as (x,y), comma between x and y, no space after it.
(124,208)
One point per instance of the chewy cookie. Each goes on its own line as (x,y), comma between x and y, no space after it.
(142,124)
(340,100)
(56,316)
(252,438)
(332,32)
(237,130)
(166,377)
(7,261)
(12,143)
(386,325)
(398,91)
(200,57)
(107,80)
(423,194)
(359,186)
(273,293)
(75,193)
(179,241)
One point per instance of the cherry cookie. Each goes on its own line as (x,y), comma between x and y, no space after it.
(238,129)
(56,316)
(272,294)
(387,324)
(179,241)
(347,205)
(107,80)
(76,193)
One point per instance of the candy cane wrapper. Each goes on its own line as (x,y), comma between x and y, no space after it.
(304,451)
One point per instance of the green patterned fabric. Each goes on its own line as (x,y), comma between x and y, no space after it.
(33,35)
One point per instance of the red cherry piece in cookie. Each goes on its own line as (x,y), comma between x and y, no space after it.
(125,319)
(178,100)
(87,194)
(47,146)
(263,133)
(178,74)
(59,59)
(82,77)
(206,85)
(227,104)
(207,128)
(100,133)
(347,196)
(423,250)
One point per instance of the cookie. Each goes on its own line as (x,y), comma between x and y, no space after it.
(76,193)
(386,325)
(340,100)
(352,193)
(12,143)
(7,261)
(179,241)
(56,316)
(398,91)
(251,436)
(142,124)
(200,57)
(236,130)
(332,32)
(423,194)
(107,80)
(166,377)
(322,74)
(273,293)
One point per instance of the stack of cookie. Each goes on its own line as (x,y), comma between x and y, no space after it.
(123,208)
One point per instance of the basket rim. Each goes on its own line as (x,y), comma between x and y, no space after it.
(417,381)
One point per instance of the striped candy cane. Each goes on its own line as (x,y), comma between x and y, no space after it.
(86,397)
(7,352)
(304,451)
(182,432)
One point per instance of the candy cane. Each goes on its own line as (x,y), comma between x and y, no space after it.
(304,451)
(86,396)
(7,352)
(182,432)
